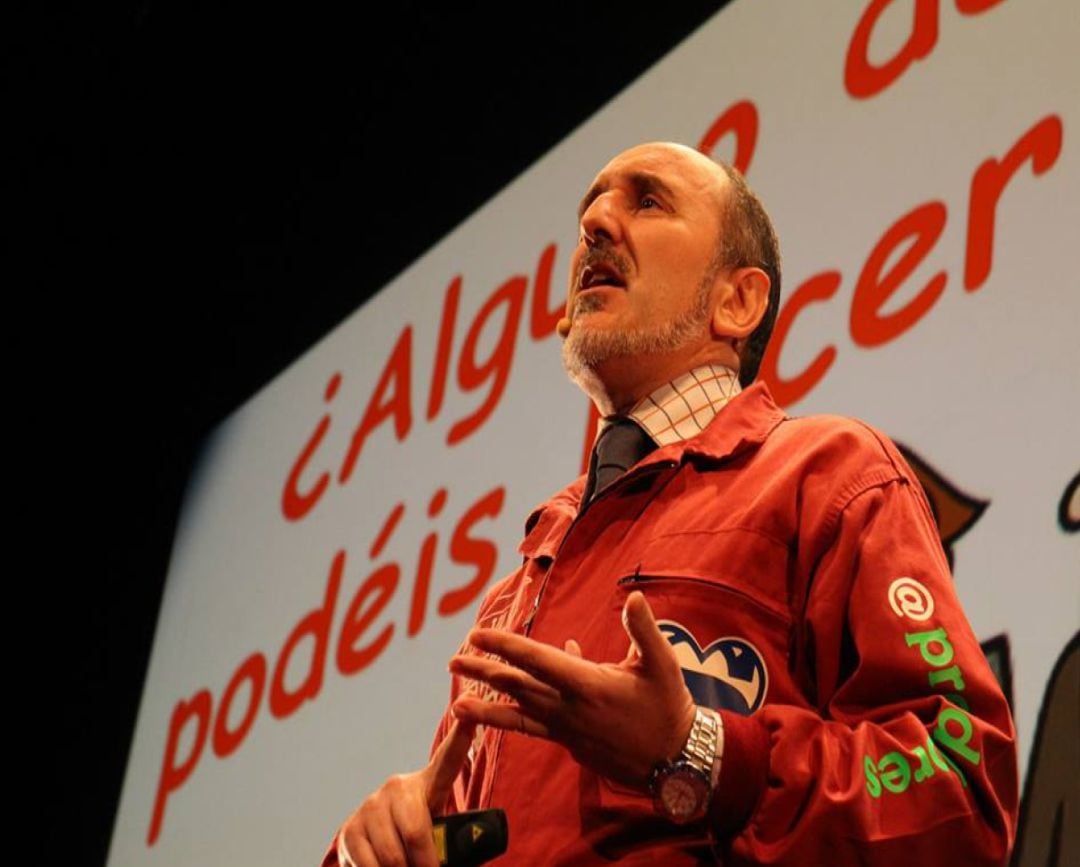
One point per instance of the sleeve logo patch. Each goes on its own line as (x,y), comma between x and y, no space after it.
(908,598)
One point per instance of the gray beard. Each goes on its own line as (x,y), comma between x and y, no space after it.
(584,348)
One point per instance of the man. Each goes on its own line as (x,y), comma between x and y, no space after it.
(735,640)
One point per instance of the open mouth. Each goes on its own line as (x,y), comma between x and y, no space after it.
(600,274)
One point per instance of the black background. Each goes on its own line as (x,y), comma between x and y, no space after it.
(208,189)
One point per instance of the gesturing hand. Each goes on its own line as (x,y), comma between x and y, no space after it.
(619,720)
(393,825)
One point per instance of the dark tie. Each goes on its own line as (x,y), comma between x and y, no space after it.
(621,445)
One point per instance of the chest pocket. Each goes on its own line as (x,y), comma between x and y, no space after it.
(720,601)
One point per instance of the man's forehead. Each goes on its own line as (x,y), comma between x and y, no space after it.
(676,165)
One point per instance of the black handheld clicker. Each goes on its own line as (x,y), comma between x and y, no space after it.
(465,839)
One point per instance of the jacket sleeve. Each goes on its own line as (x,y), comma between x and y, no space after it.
(906,754)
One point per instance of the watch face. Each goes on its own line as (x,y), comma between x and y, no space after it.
(682,794)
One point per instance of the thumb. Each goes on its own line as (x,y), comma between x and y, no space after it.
(645,635)
(447,763)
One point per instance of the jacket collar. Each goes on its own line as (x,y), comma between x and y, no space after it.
(744,423)
(741,425)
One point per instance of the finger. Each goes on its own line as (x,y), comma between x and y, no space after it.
(383,837)
(356,852)
(447,763)
(645,635)
(544,662)
(344,856)
(508,717)
(505,678)
(413,823)
(572,647)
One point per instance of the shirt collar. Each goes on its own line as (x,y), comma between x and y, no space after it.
(682,407)
(747,423)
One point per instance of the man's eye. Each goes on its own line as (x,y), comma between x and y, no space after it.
(649,202)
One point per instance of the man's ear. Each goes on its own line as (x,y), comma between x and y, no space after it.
(741,303)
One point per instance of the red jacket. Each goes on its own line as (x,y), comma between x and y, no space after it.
(796,568)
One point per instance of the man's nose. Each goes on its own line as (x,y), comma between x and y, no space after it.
(601,221)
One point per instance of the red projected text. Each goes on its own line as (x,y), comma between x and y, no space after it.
(913,235)
(392,402)
(864,79)
(364,634)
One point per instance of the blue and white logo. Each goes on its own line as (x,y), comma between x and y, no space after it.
(729,674)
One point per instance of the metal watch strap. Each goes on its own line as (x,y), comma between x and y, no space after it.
(682,788)
(701,746)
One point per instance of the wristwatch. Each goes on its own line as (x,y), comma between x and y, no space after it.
(682,788)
